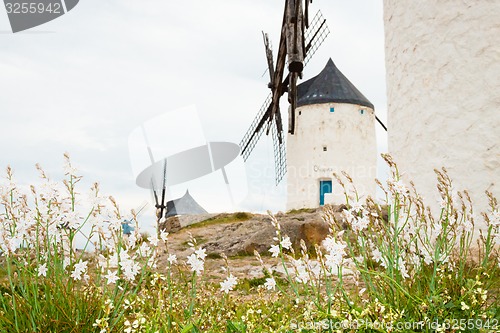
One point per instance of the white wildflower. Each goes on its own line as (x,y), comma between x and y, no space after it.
(467,226)
(286,243)
(164,235)
(66,262)
(195,263)
(201,253)
(356,206)
(113,259)
(270,283)
(124,256)
(42,270)
(111,277)
(132,239)
(172,259)
(333,261)
(275,250)
(228,284)
(348,216)
(152,262)
(400,188)
(331,245)
(302,275)
(402,268)
(144,249)
(130,269)
(153,240)
(360,223)
(71,220)
(14,243)
(79,269)
(428,258)
(438,228)
(376,255)
(495,218)
(314,268)
(496,239)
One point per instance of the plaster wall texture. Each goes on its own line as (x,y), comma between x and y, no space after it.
(443,84)
(349,137)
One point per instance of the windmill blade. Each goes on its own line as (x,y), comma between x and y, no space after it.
(279,155)
(270,107)
(381,123)
(277,89)
(306,14)
(292,99)
(141,207)
(315,35)
(317,19)
(269,56)
(164,189)
(254,132)
(155,195)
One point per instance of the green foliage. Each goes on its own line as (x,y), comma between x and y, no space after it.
(302,210)
(221,219)
(383,264)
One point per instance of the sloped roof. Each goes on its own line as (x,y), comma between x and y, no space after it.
(330,86)
(185,205)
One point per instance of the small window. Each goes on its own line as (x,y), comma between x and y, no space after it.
(325,148)
(332,109)
(300,112)
(362,112)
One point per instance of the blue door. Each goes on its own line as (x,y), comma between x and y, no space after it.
(325,186)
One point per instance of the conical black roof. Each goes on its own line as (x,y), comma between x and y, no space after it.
(330,86)
(184,206)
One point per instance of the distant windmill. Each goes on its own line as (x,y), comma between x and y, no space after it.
(179,156)
(298,42)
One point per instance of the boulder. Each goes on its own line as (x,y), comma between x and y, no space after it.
(170,224)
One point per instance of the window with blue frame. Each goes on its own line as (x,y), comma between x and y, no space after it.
(362,112)
(332,109)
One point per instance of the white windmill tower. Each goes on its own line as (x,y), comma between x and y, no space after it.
(443,82)
(334,132)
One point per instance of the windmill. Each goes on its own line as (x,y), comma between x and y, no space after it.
(187,157)
(299,41)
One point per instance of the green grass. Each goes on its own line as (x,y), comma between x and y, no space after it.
(222,219)
(302,210)
(199,240)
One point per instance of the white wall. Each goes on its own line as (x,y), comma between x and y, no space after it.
(351,146)
(443,84)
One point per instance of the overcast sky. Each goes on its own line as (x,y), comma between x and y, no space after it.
(83,82)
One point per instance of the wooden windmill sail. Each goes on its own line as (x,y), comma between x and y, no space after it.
(298,42)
